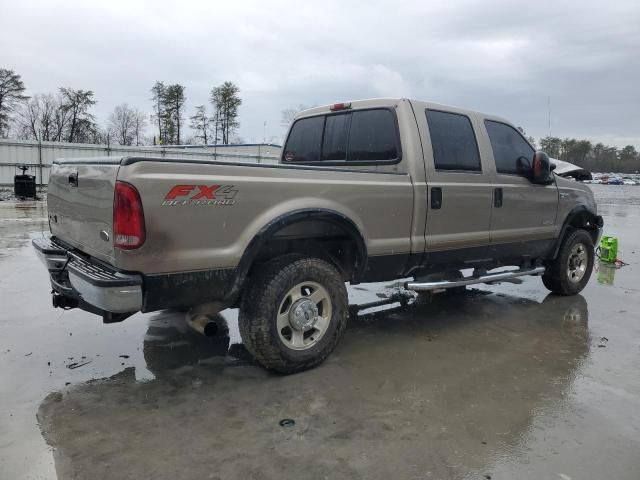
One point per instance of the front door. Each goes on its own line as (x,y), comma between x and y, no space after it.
(524,214)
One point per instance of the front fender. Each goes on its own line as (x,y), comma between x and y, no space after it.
(580,216)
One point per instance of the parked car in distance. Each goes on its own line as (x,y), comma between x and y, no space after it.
(365,191)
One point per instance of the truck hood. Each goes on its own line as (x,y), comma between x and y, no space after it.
(566,169)
(575,193)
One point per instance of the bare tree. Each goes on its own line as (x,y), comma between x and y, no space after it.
(200,122)
(11,95)
(121,124)
(99,136)
(139,125)
(288,115)
(42,117)
(29,120)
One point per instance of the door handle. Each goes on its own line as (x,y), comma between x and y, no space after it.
(497,197)
(436,198)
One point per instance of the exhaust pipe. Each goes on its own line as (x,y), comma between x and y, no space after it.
(201,318)
(203,325)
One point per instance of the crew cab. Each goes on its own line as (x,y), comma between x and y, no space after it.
(366,191)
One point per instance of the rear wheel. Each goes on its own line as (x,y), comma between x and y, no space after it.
(570,271)
(293,313)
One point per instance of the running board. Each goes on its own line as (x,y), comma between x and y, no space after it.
(486,278)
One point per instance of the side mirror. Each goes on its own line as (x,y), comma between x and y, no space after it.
(541,169)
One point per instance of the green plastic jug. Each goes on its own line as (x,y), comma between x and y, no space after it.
(608,249)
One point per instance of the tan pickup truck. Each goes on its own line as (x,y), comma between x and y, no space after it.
(366,191)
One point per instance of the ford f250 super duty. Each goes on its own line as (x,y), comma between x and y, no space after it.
(365,191)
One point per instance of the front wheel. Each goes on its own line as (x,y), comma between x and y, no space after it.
(570,271)
(293,313)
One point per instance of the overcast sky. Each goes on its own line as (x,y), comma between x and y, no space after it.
(496,56)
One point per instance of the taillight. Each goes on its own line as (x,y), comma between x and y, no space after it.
(128,217)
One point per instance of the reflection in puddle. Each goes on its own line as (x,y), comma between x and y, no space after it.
(18,220)
(170,344)
(606,273)
(449,387)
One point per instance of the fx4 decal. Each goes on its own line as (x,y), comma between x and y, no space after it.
(181,195)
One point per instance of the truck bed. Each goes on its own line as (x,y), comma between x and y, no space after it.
(201,215)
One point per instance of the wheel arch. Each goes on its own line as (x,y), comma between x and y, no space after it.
(269,232)
(579,217)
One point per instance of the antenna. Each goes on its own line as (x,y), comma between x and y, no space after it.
(549,110)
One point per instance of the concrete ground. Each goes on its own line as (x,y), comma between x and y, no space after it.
(501,382)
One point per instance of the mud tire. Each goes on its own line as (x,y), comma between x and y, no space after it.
(259,309)
(556,277)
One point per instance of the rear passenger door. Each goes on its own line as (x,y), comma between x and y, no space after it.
(459,189)
(522,211)
(362,139)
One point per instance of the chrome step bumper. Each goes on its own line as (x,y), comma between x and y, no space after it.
(89,280)
(486,278)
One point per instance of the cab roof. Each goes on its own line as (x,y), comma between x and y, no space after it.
(393,102)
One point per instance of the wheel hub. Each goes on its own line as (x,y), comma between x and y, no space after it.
(303,315)
(577,263)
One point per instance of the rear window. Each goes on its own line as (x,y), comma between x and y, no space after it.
(453,141)
(336,131)
(373,136)
(304,142)
(368,136)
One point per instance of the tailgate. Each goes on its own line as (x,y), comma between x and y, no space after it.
(80,202)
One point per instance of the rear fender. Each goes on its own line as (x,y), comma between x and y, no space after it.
(268,231)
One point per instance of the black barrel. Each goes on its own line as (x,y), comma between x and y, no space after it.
(25,186)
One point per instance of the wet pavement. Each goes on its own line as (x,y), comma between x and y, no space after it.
(500,382)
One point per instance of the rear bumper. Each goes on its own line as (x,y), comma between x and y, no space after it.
(97,287)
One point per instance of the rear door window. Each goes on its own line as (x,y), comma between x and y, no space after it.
(373,136)
(305,140)
(453,141)
(367,136)
(507,145)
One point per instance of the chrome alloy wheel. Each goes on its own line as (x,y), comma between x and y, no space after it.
(577,263)
(304,315)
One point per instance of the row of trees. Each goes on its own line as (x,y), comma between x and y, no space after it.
(597,158)
(66,116)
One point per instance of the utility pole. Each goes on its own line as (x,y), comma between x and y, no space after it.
(40,156)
